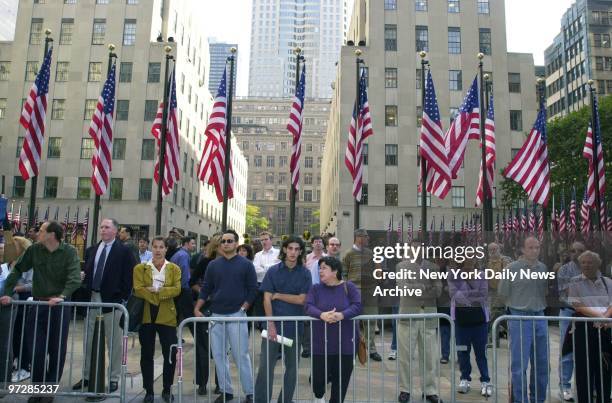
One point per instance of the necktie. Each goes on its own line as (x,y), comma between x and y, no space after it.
(97,280)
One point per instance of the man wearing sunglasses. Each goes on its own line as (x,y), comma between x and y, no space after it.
(230,282)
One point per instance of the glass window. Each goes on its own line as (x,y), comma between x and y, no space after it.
(61,72)
(391,37)
(145,189)
(458,196)
(87,148)
(148,150)
(391,115)
(484,38)
(154,73)
(390,154)
(270,161)
(119,149)
(422,38)
(453,6)
(54,149)
(150,110)
(514,82)
(2,108)
(90,108)
(50,187)
(390,4)
(454,40)
(66,30)
(116,189)
(123,109)
(129,32)
(58,109)
(269,178)
(427,199)
(36,31)
(307,195)
(390,194)
(99,31)
(245,145)
(483,6)
(95,72)
(125,72)
(418,79)
(18,186)
(282,195)
(364,194)
(516,120)
(84,188)
(308,162)
(420,5)
(390,77)
(5,70)
(364,153)
(455,80)
(31,71)
(282,161)
(257,160)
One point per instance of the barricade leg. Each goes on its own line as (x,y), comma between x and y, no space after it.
(265,374)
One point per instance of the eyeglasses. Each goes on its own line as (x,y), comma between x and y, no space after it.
(334,244)
(227,241)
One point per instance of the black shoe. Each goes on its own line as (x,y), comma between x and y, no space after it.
(95,398)
(225,397)
(46,399)
(113,386)
(167,396)
(404,397)
(34,399)
(248,399)
(149,398)
(375,356)
(433,399)
(83,383)
(202,390)
(305,354)
(217,390)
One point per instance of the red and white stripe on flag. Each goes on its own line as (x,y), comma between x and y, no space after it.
(587,153)
(294,126)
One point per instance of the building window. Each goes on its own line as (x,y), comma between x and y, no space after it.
(391,37)
(84,188)
(390,4)
(257,160)
(129,32)
(420,5)
(70,1)
(418,79)
(308,147)
(364,194)
(390,77)
(125,72)
(391,195)
(422,38)
(308,179)
(601,40)
(50,187)
(516,120)
(494,200)
(150,110)
(102,1)
(90,108)
(145,189)
(5,70)
(119,149)
(454,40)
(390,115)
(31,71)
(307,195)
(458,196)
(87,148)
(514,82)
(95,72)
(123,109)
(483,6)
(453,6)
(270,161)
(36,31)
(282,195)
(154,73)
(455,80)
(308,162)
(116,189)
(364,154)
(58,109)
(61,72)
(132,2)
(54,149)
(419,115)
(66,30)
(148,150)
(269,178)
(390,154)
(282,161)
(484,38)
(427,199)
(245,145)
(98,33)
(18,186)
(2,108)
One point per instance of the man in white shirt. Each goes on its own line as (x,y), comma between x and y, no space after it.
(264,259)
(312,264)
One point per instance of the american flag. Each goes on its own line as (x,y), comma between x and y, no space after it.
(441,236)
(409,232)
(562,221)
(541,225)
(10,213)
(489,155)
(66,218)
(497,226)
(46,218)
(101,131)
(609,226)
(295,128)
(454,225)
(172,156)
(524,219)
(432,145)
(532,219)
(56,215)
(17,217)
(585,214)
(75,223)
(85,226)
(530,167)
(359,131)
(572,213)
(33,120)
(400,230)
(211,169)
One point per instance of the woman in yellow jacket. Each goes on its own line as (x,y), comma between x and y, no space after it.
(157,282)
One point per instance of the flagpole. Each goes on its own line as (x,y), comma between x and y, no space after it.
(358,63)
(594,160)
(487,205)
(96,209)
(424,63)
(34,178)
(162,147)
(228,138)
(293,191)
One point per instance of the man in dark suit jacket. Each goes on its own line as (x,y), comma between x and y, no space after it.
(108,276)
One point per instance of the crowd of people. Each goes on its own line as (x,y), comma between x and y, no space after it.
(228,282)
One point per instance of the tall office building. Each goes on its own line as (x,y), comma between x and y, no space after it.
(277,27)
(580,52)
(81,32)
(218,53)
(8,17)
(393,32)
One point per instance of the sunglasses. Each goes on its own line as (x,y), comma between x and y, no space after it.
(227,241)
(334,244)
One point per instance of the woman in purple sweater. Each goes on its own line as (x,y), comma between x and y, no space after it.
(335,302)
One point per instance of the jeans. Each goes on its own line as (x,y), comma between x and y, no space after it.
(445,333)
(528,343)
(236,335)
(468,337)
(265,374)
(394,311)
(566,362)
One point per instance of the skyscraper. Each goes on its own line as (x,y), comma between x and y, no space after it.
(277,27)
(218,53)
(8,17)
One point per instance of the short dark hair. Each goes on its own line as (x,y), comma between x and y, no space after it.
(128,230)
(160,239)
(292,239)
(249,250)
(334,264)
(144,238)
(234,233)
(186,239)
(314,238)
(55,228)
(171,243)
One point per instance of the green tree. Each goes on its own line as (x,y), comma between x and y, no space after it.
(566,137)
(315,227)
(254,221)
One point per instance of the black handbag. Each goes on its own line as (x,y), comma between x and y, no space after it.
(469,316)
(135,307)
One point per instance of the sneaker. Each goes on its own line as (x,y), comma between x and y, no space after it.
(443,360)
(464,386)
(392,355)
(567,395)
(20,375)
(486,389)
(404,397)
(321,400)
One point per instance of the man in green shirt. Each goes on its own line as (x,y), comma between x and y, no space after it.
(56,269)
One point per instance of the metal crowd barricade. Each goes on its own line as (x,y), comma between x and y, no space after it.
(49,324)
(527,328)
(375,381)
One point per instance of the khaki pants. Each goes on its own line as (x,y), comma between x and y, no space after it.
(368,329)
(413,334)
(113,334)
